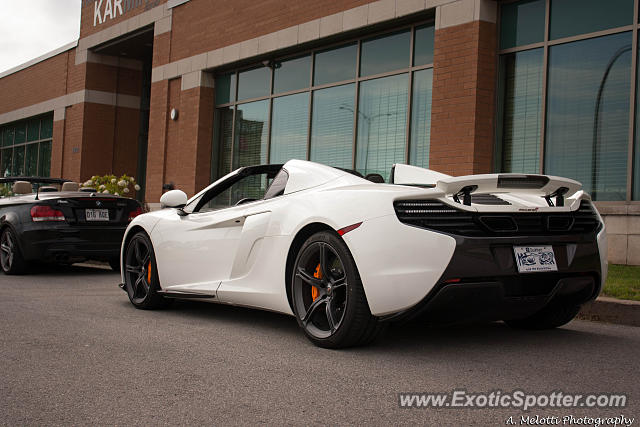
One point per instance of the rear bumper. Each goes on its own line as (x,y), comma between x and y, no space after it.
(66,243)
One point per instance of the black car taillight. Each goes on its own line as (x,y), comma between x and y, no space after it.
(46,213)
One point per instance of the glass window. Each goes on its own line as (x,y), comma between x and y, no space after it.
(44,163)
(33,130)
(292,74)
(382,121)
(521,23)
(31,168)
(335,65)
(636,151)
(278,185)
(573,17)
(46,127)
(588,113)
(332,126)
(421,118)
(252,127)
(226,89)
(385,53)
(254,83)
(223,128)
(21,133)
(520,110)
(289,125)
(249,188)
(7,137)
(7,161)
(18,161)
(423,45)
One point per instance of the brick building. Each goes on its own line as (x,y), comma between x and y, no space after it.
(183,91)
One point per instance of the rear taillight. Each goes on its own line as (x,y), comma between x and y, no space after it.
(134,213)
(46,213)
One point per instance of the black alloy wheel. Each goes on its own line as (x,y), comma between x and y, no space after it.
(11,258)
(328,297)
(141,275)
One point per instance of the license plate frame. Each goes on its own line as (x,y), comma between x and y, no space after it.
(535,258)
(97,215)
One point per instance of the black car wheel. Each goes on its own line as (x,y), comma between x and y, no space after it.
(141,274)
(328,297)
(11,258)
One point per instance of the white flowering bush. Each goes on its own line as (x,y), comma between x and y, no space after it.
(111,184)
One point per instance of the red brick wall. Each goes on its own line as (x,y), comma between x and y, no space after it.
(156,152)
(463,102)
(86,19)
(71,149)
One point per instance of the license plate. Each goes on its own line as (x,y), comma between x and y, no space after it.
(96,214)
(532,259)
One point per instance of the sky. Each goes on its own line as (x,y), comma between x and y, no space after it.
(31,28)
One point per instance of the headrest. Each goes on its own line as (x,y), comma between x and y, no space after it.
(375,177)
(70,186)
(22,187)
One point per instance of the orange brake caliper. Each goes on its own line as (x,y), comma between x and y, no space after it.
(317,275)
(149,273)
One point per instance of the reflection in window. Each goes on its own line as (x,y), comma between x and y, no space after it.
(520,111)
(289,128)
(292,74)
(46,127)
(31,168)
(573,17)
(332,126)
(254,83)
(423,45)
(30,155)
(252,121)
(7,161)
(382,120)
(335,65)
(385,53)
(44,159)
(421,118)
(223,128)
(588,113)
(18,161)
(225,89)
(636,152)
(521,23)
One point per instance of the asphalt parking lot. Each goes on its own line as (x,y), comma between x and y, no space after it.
(74,351)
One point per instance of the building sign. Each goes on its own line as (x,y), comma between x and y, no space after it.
(104,10)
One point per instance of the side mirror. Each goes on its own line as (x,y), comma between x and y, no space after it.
(173,199)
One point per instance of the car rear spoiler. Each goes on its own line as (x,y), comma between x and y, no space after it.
(554,189)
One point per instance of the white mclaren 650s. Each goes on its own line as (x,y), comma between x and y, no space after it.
(347,254)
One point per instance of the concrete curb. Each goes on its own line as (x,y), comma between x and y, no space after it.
(612,310)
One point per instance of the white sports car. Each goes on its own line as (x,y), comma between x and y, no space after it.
(346,255)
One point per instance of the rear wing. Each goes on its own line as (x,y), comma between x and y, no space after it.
(554,189)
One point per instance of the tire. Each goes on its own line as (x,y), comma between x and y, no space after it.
(141,274)
(327,295)
(114,263)
(552,316)
(11,258)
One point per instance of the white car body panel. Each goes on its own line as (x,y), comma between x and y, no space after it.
(238,255)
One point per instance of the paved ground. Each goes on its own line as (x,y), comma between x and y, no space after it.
(74,351)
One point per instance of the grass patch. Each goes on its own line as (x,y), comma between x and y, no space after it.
(623,281)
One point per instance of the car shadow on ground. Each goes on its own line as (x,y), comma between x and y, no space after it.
(37,268)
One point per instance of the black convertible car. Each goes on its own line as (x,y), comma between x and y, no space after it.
(53,220)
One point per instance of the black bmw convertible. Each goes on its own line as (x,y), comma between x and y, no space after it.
(53,220)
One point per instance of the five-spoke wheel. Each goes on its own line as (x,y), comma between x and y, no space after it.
(11,258)
(328,298)
(140,274)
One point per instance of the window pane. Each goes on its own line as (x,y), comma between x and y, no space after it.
(21,133)
(335,65)
(588,140)
(223,121)
(7,135)
(519,111)
(225,89)
(573,17)
(521,23)
(423,46)
(252,125)
(44,163)
(421,118)
(33,130)
(46,127)
(32,160)
(254,83)
(386,53)
(7,161)
(289,128)
(18,161)
(332,126)
(636,161)
(382,121)
(293,74)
